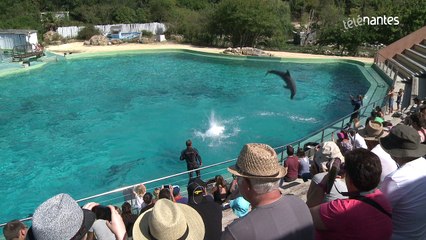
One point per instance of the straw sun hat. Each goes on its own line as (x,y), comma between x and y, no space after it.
(258,160)
(169,221)
(373,131)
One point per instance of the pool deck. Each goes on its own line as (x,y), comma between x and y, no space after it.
(79,47)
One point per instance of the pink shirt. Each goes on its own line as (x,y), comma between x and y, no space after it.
(353,219)
(422,133)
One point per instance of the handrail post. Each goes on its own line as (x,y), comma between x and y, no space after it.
(387,68)
(395,76)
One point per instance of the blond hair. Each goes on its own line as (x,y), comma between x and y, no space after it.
(140,190)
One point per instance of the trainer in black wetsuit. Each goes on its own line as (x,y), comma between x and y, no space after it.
(192,158)
(357,103)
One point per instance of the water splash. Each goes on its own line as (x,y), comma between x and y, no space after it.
(217,131)
(293,117)
(303,119)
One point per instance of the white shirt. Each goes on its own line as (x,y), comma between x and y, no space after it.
(101,230)
(406,191)
(338,186)
(358,141)
(304,165)
(138,203)
(388,164)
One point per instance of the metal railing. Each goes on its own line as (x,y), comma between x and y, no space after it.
(321,134)
(217,168)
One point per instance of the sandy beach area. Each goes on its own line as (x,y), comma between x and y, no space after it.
(78,47)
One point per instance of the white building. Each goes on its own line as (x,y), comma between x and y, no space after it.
(11,38)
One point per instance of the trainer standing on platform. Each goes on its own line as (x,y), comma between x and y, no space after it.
(357,103)
(192,158)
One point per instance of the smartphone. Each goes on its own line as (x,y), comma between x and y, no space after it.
(102,212)
(165,186)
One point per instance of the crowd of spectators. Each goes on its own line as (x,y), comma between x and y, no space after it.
(368,184)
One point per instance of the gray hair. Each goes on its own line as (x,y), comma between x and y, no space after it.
(262,186)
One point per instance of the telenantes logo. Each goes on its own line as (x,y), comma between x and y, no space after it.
(374,21)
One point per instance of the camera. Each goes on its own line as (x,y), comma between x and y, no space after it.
(102,212)
(335,169)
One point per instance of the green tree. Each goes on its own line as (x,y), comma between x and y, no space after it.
(162,10)
(19,14)
(193,25)
(411,15)
(299,8)
(342,31)
(86,14)
(282,30)
(124,14)
(245,22)
(331,29)
(142,15)
(193,4)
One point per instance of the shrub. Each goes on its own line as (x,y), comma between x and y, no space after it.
(147,34)
(87,32)
(51,37)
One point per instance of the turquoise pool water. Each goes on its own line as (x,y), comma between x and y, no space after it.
(85,126)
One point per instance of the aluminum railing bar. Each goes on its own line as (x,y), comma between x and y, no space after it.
(151,181)
(328,126)
(147,182)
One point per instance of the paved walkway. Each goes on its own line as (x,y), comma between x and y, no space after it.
(407,89)
(79,47)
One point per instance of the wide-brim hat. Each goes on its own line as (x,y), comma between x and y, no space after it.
(169,221)
(257,160)
(373,131)
(330,150)
(60,217)
(403,141)
(326,153)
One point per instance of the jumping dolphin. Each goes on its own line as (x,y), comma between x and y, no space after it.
(290,84)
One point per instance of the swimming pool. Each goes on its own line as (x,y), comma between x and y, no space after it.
(85,126)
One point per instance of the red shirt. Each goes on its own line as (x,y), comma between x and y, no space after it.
(292,163)
(353,219)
